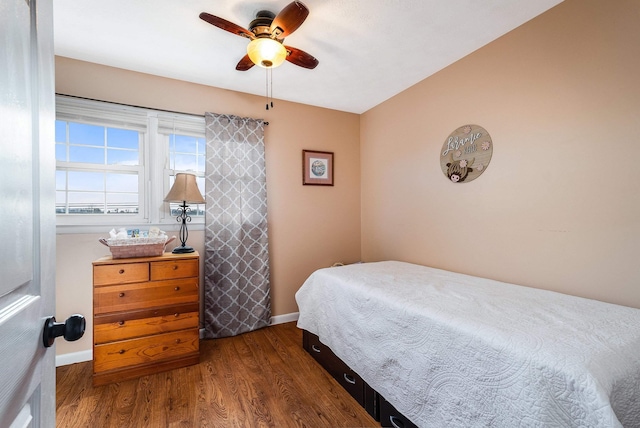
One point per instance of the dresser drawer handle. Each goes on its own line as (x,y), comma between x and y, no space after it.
(175,267)
(315,348)
(121,271)
(177,288)
(121,322)
(177,340)
(122,351)
(176,315)
(350,379)
(120,294)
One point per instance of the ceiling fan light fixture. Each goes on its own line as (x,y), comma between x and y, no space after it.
(266,52)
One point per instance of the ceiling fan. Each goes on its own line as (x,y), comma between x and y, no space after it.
(267,32)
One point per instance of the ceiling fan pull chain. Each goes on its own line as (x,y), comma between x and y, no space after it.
(271,78)
(269,83)
(266,81)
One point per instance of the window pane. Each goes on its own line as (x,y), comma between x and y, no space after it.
(61,152)
(185,144)
(61,199)
(185,163)
(186,153)
(81,133)
(87,198)
(122,157)
(61,180)
(86,203)
(198,209)
(122,138)
(122,183)
(86,155)
(122,203)
(87,193)
(200,183)
(90,181)
(61,131)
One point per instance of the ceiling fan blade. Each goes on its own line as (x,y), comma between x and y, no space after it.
(301,58)
(245,63)
(226,25)
(289,19)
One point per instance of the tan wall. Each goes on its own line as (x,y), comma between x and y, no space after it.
(309,226)
(559,206)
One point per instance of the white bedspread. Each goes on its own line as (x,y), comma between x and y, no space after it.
(452,350)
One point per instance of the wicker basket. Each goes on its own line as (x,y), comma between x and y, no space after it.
(124,248)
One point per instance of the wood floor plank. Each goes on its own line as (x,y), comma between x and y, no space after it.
(258,379)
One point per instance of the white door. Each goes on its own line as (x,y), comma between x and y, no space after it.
(27,222)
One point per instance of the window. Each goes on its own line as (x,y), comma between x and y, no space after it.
(183,135)
(98,169)
(115,163)
(187,154)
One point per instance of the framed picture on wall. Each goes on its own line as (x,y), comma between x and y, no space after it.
(317,168)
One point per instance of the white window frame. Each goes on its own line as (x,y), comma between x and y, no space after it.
(178,124)
(154,170)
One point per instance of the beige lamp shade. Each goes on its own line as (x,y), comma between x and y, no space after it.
(266,52)
(185,189)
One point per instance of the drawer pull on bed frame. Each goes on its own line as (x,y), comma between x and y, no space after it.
(396,422)
(349,378)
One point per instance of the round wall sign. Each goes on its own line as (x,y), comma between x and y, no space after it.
(466,153)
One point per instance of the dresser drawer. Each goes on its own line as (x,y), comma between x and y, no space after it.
(174,269)
(112,328)
(127,297)
(125,273)
(128,353)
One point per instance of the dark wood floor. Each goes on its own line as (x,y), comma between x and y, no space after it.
(258,379)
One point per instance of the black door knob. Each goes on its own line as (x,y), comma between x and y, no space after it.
(72,329)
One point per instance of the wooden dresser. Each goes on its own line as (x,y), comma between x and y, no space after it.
(145,315)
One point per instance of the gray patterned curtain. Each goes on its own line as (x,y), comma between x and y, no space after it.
(236,283)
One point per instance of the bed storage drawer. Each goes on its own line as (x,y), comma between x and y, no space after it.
(341,372)
(336,367)
(347,378)
(318,350)
(390,417)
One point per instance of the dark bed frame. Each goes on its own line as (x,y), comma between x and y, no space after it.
(374,403)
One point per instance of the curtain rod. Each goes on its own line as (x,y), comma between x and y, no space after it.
(131,105)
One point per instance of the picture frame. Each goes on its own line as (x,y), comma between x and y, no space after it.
(317,168)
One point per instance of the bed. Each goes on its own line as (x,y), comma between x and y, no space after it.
(452,350)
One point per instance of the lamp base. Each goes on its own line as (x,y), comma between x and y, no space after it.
(182,250)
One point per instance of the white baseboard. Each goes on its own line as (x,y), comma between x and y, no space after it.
(281,319)
(82,356)
(278,319)
(74,357)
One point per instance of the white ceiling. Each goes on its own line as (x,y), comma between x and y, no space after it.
(369,50)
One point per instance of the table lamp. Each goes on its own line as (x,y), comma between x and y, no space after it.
(184,190)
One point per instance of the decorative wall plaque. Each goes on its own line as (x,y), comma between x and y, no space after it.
(466,153)
(317,168)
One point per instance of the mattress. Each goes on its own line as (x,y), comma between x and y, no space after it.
(452,350)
